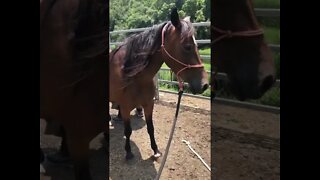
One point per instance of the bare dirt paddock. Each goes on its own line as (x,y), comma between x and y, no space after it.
(245,144)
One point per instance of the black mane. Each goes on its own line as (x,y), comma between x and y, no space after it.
(139,48)
(91,37)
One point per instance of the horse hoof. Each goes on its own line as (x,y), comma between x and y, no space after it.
(158,154)
(42,170)
(58,158)
(117,119)
(129,156)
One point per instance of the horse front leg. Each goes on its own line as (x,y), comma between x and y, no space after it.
(119,115)
(63,154)
(125,114)
(79,151)
(41,155)
(42,170)
(148,111)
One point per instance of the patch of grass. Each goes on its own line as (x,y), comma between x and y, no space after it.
(207,66)
(162,86)
(271,98)
(272,35)
(207,93)
(206,51)
(269,21)
(166,75)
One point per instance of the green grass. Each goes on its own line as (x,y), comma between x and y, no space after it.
(206,51)
(269,21)
(271,98)
(272,35)
(206,93)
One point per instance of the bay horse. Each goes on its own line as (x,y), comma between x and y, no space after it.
(133,65)
(73,73)
(239,49)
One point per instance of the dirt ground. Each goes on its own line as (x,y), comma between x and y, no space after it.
(245,144)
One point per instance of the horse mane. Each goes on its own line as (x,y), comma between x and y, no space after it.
(91,37)
(139,48)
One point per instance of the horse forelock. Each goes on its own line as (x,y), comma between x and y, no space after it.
(187,30)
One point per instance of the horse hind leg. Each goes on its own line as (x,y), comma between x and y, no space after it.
(127,131)
(148,111)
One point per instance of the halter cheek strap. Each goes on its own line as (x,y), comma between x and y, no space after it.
(185,66)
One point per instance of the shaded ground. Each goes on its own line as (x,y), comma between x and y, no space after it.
(50,144)
(181,163)
(246,144)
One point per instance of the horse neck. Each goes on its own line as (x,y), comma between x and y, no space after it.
(154,66)
(234,15)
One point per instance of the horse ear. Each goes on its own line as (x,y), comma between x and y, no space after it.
(187,19)
(175,20)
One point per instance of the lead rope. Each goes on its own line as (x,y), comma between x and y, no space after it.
(170,137)
(186,66)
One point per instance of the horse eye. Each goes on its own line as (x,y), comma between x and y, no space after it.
(188,47)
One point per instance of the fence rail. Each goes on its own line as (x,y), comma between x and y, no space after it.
(222,76)
(259,12)
(264,12)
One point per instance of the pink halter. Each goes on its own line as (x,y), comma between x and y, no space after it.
(186,66)
(230,34)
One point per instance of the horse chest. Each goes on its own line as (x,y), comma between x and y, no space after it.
(140,93)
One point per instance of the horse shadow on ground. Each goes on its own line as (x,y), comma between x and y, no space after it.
(136,168)
(64,171)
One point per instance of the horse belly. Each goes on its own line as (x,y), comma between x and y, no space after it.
(139,94)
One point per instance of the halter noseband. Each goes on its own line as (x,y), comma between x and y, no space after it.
(230,34)
(186,66)
(226,34)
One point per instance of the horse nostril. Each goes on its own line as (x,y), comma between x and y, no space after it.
(267,83)
(205,87)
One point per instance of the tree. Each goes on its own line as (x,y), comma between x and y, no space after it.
(126,14)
